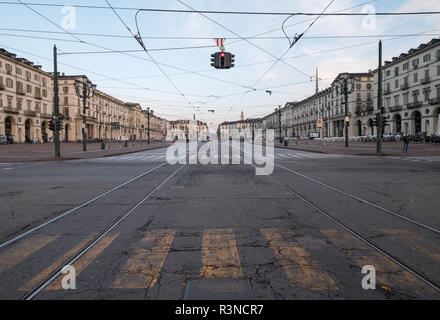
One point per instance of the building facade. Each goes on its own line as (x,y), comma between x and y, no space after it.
(237,129)
(411,91)
(186,130)
(324,112)
(26,97)
(26,107)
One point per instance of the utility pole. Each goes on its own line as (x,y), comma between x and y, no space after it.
(379,103)
(346,111)
(56,106)
(278,110)
(148,125)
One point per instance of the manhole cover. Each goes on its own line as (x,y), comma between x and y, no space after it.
(218,289)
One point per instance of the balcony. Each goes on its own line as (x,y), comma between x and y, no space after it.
(46,116)
(414,105)
(425,80)
(387,91)
(404,86)
(20,92)
(2,86)
(396,108)
(38,96)
(30,113)
(10,110)
(434,101)
(370,109)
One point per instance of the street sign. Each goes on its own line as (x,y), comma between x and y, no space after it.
(319,123)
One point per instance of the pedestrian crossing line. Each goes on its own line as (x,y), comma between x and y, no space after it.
(388,274)
(415,243)
(55,265)
(14,255)
(298,264)
(143,267)
(220,259)
(86,259)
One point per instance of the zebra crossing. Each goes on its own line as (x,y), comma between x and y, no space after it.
(426,160)
(144,261)
(161,157)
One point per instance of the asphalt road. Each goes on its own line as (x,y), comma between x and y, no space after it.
(303,232)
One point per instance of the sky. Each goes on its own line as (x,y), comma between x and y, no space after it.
(191,86)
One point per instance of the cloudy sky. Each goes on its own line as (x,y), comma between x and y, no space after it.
(134,77)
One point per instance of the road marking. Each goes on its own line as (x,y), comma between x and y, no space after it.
(22,250)
(46,272)
(299,266)
(86,259)
(415,243)
(143,267)
(220,259)
(388,274)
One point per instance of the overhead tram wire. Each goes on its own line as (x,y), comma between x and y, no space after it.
(297,38)
(225,12)
(131,55)
(148,53)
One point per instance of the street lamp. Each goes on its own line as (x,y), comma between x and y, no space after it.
(88,91)
(346,90)
(278,111)
(149,114)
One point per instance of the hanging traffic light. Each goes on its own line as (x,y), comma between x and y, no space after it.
(222,60)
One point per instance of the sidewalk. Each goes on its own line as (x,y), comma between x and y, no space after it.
(367,148)
(71,151)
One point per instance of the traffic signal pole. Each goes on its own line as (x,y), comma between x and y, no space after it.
(346,110)
(56,107)
(379,103)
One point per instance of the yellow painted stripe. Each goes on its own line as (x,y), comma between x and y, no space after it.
(416,243)
(388,274)
(298,264)
(20,251)
(143,267)
(46,272)
(86,259)
(220,258)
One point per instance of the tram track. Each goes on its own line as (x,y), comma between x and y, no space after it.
(31,294)
(356,234)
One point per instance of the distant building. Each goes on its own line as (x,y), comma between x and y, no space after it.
(411,91)
(186,129)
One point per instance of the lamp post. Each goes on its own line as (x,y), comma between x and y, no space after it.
(278,111)
(346,91)
(149,114)
(88,91)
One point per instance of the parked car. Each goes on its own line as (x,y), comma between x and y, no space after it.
(3,139)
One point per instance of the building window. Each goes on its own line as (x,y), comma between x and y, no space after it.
(44,93)
(9,83)
(405,98)
(369,86)
(396,84)
(396,100)
(10,99)
(427,57)
(66,100)
(388,73)
(66,90)
(29,102)
(396,71)
(415,63)
(28,88)
(37,107)
(19,104)
(18,71)
(416,77)
(406,66)
(427,93)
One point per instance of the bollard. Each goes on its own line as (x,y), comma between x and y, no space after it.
(102,145)
(126,144)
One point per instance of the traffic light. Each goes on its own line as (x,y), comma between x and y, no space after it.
(52,125)
(222,60)
(58,125)
(385,122)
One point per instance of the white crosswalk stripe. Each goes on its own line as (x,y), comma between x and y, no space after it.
(417,159)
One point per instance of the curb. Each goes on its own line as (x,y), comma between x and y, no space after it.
(92,157)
